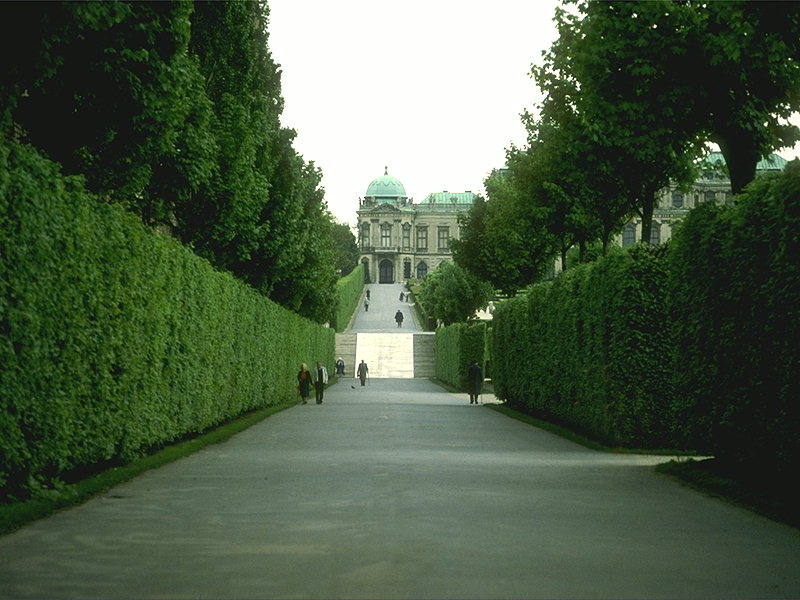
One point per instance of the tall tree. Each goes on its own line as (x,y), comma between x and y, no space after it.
(746,79)
(347,252)
(106,89)
(625,63)
(504,239)
(451,294)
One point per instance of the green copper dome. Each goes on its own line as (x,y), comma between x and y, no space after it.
(386,186)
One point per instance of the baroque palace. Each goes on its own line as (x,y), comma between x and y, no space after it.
(400,239)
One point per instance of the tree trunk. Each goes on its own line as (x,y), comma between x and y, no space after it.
(648,205)
(741,157)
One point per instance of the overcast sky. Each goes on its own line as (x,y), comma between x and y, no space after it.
(431,89)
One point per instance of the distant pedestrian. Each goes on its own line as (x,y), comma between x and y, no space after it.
(366,305)
(401,296)
(398,316)
(320,377)
(304,383)
(339,367)
(475,382)
(367,293)
(363,371)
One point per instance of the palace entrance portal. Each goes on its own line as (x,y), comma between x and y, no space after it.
(386,271)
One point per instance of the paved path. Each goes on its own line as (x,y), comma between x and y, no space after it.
(401,490)
(383,305)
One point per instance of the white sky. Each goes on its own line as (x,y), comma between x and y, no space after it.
(433,89)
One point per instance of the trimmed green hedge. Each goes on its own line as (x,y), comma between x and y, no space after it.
(456,347)
(584,349)
(348,294)
(735,285)
(116,339)
(688,345)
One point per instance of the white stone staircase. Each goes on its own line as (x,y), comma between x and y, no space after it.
(390,355)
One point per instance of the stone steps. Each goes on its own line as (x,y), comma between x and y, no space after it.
(390,355)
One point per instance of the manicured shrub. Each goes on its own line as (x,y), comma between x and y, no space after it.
(115,338)
(457,346)
(735,284)
(348,293)
(582,350)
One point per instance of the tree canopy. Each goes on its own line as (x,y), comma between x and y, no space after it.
(172,109)
(633,92)
(451,294)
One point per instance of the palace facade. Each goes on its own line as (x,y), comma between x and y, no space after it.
(712,185)
(400,239)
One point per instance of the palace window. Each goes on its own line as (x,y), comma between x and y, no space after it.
(677,199)
(422,270)
(364,234)
(629,235)
(655,233)
(386,235)
(407,238)
(422,239)
(444,239)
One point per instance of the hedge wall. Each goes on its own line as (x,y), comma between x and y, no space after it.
(690,344)
(735,284)
(585,349)
(456,347)
(115,338)
(348,293)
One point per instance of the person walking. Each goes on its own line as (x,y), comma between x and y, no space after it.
(475,381)
(320,377)
(366,305)
(304,383)
(398,316)
(363,371)
(339,367)
(367,293)
(401,296)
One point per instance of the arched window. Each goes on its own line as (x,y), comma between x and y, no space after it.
(655,233)
(677,199)
(629,235)
(422,270)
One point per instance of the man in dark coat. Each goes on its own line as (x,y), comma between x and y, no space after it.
(398,316)
(475,377)
(362,372)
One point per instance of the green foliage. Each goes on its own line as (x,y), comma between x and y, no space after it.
(583,349)
(690,344)
(745,79)
(116,338)
(735,280)
(451,294)
(347,251)
(172,109)
(503,240)
(457,346)
(103,88)
(348,292)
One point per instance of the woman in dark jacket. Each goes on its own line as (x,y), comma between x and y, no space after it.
(304,383)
